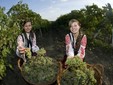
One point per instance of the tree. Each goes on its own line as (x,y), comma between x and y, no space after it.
(109,15)
(21,12)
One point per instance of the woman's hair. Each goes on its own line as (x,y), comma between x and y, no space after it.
(23,31)
(25,21)
(74,20)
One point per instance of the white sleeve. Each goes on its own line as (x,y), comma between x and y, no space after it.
(70,51)
(19,43)
(35,48)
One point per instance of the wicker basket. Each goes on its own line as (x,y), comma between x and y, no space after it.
(20,63)
(98,72)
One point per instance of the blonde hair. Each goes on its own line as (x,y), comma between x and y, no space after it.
(74,20)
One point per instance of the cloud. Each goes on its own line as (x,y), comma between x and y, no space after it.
(56,10)
(63,0)
(53,1)
(42,0)
(53,11)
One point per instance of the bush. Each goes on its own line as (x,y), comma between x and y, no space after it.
(2,69)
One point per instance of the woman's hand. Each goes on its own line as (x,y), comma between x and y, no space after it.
(21,49)
(70,57)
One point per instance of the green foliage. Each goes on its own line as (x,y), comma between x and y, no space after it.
(40,69)
(94,23)
(2,69)
(104,46)
(21,12)
(8,35)
(77,73)
(10,25)
(94,20)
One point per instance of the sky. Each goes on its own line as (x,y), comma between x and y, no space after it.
(52,9)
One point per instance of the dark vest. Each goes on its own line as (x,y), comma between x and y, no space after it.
(27,42)
(76,45)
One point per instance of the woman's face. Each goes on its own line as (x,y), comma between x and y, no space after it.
(74,27)
(27,27)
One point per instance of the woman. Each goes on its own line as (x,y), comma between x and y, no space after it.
(26,40)
(75,41)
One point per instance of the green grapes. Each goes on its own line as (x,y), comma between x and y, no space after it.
(28,52)
(40,69)
(77,73)
(41,52)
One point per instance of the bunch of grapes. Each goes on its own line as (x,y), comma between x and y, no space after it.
(41,52)
(28,53)
(40,69)
(77,73)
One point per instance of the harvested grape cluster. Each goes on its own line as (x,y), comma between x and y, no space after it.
(77,73)
(40,69)
(28,52)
